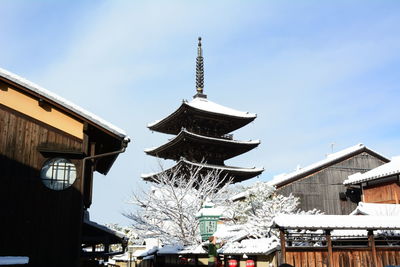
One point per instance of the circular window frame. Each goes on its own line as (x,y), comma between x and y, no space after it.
(61,178)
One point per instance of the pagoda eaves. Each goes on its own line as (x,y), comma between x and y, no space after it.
(198,147)
(219,120)
(235,173)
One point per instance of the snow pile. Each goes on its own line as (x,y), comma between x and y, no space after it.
(376,209)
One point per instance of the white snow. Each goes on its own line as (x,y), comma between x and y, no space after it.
(388,169)
(63,102)
(204,165)
(184,131)
(170,249)
(376,209)
(282,178)
(251,246)
(206,105)
(196,249)
(337,222)
(86,219)
(209,106)
(12,260)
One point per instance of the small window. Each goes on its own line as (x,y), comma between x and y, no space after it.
(58,174)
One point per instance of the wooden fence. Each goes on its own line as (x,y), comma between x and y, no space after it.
(348,257)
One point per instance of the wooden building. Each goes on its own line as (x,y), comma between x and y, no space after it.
(320,185)
(203,136)
(49,150)
(338,240)
(379,185)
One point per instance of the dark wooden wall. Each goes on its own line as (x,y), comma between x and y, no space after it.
(343,257)
(37,222)
(321,189)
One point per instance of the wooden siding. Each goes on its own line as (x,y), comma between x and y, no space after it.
(37,222)
(343,257)
(321,189)
(28,105)
(388,193)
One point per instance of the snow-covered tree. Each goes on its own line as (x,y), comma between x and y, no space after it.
(168,210)
(260,205)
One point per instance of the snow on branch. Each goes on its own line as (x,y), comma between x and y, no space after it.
(168,210)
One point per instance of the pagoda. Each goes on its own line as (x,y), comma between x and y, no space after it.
(203,136)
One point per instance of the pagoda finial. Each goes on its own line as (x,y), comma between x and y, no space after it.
(199,71)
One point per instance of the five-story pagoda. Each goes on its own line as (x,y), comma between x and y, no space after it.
(202,134)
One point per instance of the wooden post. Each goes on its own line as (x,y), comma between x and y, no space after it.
(371,241)
(329,244)
(283,245)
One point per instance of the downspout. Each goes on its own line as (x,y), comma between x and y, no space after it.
(93,157)
(122,150)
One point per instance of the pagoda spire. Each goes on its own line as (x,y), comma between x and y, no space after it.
(199,72)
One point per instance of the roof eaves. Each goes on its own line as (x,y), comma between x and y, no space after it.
(53,98)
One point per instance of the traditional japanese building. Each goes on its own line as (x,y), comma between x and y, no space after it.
(320,184)
(49,151)
(203,136)
(379,185)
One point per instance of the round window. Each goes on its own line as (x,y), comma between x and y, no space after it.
(58,173)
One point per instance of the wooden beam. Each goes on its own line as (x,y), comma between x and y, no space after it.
(283,245)
(329,245)
(371,242)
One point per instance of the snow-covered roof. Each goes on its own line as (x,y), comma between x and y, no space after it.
(203,104)
(206,166)
(377,209)
(170,249)
(196,249)
(231,233)
(42,92)
(186,132)
(337,222)
(86,219)
(251,246)
(209,106)
(13,260)
(330,159)
(388,169)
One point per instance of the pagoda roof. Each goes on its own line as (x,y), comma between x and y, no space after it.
(236,173)
(185,140)
(202,107)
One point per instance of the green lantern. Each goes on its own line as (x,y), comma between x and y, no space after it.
(208,217)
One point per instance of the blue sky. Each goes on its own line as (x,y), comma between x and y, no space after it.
(315,72)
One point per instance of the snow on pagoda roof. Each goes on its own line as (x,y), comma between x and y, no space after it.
(62,102)
(207,166)
(330,159)
(184,131)
(377,209)
(317,222)
(203,104)
(209,106)
(388,169)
